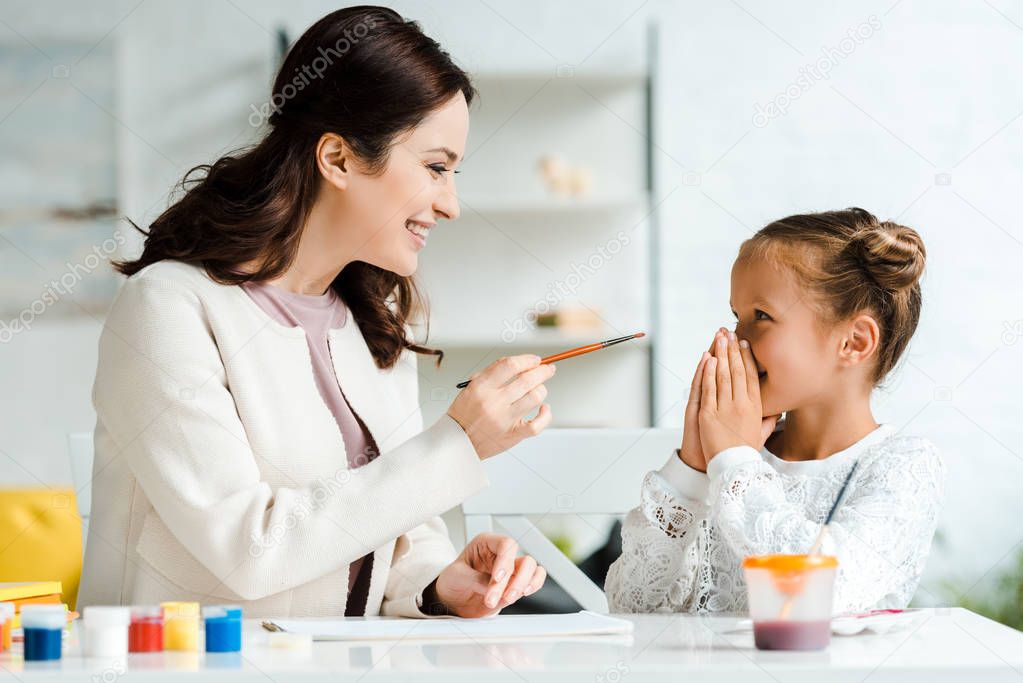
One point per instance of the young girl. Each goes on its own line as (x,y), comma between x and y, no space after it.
(825,305)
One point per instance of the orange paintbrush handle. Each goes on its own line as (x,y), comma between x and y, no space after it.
(571,352)
(577,352)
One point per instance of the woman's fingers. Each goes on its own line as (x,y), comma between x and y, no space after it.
(737,368)
(501,371)
(526,383)
(529,402)
(503,549)
(752,376)
(527,428)
(539,576)
(479,582)
(524,568)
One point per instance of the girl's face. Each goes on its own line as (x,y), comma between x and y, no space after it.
(386,219)
(796,359)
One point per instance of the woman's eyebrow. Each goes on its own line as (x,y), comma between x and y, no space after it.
(452,157)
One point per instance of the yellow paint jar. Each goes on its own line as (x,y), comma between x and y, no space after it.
(180,626)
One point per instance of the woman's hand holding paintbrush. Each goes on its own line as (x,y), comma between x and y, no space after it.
(493,408)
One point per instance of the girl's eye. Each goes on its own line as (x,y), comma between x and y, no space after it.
(760,315)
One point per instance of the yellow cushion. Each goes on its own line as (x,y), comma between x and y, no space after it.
(41,538)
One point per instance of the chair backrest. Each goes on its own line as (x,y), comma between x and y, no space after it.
(80,453)
(566,471)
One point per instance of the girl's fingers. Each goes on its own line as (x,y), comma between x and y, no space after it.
(752,376)
(708,393)
(737,368)
(693,404)
(767,426)
(723,376)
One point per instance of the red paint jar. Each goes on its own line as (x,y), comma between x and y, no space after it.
(145,634)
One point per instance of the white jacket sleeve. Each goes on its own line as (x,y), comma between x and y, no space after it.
(880,534)
(660,554)
(419,557)
(163,397)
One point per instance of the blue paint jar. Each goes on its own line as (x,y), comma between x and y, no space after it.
(43,626)
(223,628)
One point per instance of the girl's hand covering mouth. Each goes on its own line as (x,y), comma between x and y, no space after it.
(731,412)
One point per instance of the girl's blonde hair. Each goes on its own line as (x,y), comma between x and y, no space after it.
(852,263)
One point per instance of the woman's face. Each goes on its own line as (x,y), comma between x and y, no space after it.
(796,359)
(387,218)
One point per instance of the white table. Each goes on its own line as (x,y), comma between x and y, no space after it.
(945,645)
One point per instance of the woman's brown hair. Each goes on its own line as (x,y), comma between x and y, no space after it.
(853,263)
(364,73)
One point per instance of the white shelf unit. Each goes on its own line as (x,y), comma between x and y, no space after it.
(517,247)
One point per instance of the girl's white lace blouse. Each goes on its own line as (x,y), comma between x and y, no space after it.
(682,547)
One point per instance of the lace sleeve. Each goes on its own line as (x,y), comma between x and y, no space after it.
(881,534)
(658,564)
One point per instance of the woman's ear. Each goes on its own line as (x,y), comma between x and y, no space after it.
(863,336)
(333,159)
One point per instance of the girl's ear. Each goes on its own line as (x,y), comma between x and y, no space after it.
(863,336)
(333,159)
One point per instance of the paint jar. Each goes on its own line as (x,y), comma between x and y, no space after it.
(145,633)
(6,625)
(106,630)
(790,600)
(180,626)
(223,628)
(43,626)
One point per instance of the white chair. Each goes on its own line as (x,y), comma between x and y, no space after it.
(80,452)
(566,471)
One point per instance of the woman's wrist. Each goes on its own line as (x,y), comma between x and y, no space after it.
(432,604)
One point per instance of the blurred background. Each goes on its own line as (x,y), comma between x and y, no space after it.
(618,155)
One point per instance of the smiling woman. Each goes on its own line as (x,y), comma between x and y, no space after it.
(260,353)
(381,123)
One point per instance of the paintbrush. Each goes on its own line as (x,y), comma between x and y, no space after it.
(577,352)
(786,608)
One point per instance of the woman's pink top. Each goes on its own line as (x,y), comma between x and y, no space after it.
(316,314)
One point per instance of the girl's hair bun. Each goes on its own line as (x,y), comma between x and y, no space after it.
(891,254)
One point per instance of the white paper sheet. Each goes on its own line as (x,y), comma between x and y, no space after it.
(510,626)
